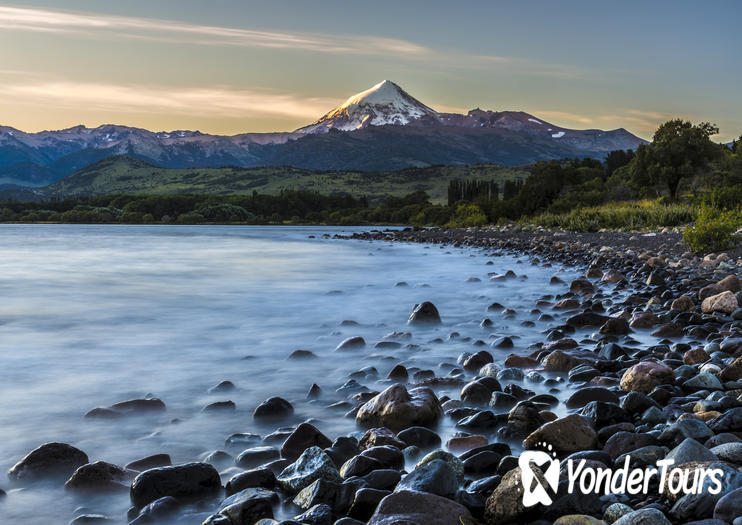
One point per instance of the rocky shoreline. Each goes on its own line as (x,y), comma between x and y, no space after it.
(635,404)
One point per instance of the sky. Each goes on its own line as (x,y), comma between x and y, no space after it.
(235,66)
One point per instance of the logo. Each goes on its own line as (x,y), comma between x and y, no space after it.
(538,487)
(534,491)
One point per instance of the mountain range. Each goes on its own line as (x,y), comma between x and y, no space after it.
(381,129)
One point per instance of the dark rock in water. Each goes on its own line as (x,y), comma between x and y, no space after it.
(729,506)
(503,342)
(388,456)
(255,456)
(351,343)
(730,421)
(245,507)
(99,476)
(484,462)
(419,508)
(243,440)
(342,449)
(155,460)
(188,481)
(381,479)
(359,466)
(585,395)
(622,442)
(603,414)
(637,402)
(420,437)
(313,464)
(130,407)
(317,515)
(396,408)
(670,330)
(220,406)
(160,509)
(587,319)
(314,391)
(567,435)
(305,436)
(476,361)
(435,477)
(255,478)
(424,313)
(479,421)
(377,437)
(302,354)
(337,495)
(48,460)
(475,393)
(275,407)
(645,376)
(615,326)
(224,386)
(365,502)
(398,373)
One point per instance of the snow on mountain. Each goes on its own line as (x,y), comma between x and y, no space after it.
(384,104)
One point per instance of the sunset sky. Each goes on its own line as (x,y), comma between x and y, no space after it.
(231,66)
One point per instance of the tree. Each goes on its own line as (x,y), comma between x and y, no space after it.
(678,150)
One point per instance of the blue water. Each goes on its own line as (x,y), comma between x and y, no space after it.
(93,315)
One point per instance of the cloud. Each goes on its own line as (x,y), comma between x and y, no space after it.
(92,24)
(565,115)
(217,101)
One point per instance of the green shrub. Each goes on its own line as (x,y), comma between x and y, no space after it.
(713,231)
(467,215)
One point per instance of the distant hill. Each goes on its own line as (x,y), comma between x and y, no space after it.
(380,129)
(125,174)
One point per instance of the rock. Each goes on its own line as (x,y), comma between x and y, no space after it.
(436,477)
(710,290)
(475,393)
(155,460)
(317,515)
(254,456)
(397,409)
(223,386)
(645,376)
(675,433)
(616,511)
(690,450)
(398,373)
(312,465)
(729,452)
(623,442)
(302,354)
(99,476)
(273,408)
(424,313)
(695,356)
(255,478)
(729,507)
(669,330)
(342,449)
(520,361)
(505,504)
(655,279)
(733,371)
(602,414)
(245,507)
(578,519)
(558,361)
(351,343)
(613,276)
(476,361)
(159,510)
(615,326)
(48,460)
(419,508)
(683,303)
(704,381)
(219,406)
(365,502)
(420,437)
(730,421)
(455,462)
(129,407)
(305,436)
(730,283)
(89,518)
(188,481)
(377,437)
(462,444)
(581,286)
(359,466)
(566,435)
(647,516)
(337,495)
(587,319)
(585,395)
(725,302)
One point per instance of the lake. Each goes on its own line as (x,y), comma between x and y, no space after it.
(94,315)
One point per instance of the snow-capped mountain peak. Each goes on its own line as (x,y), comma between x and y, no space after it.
(383,104)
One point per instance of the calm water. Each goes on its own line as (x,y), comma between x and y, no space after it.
(93,315)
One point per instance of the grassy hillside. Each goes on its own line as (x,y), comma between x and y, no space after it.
(128,175)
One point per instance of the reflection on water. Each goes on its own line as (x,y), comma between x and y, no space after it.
(93,315)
